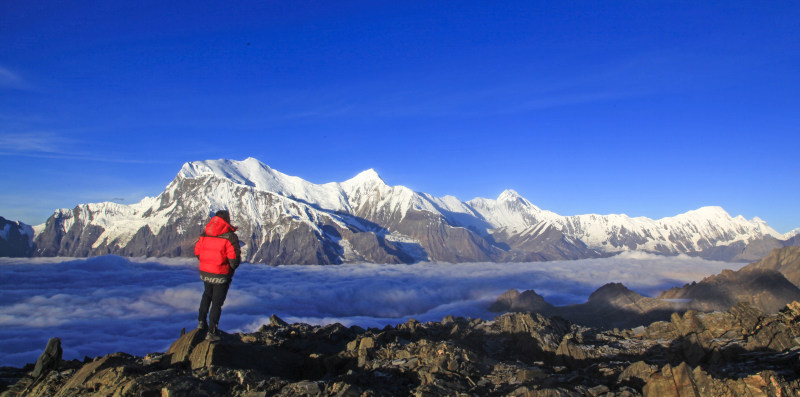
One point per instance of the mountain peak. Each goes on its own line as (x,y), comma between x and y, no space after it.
(614,294)
(238,171)
(368,177)
(509,195)
(710,211)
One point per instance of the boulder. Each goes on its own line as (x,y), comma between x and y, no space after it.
(572,354)
(672,382)
(50,358)
(276,321)
(546,333)
(637,373)
(104,376)
(232,352)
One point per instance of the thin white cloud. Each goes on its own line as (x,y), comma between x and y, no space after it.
(9,79)
(106,304)
(57,146)
(41,142)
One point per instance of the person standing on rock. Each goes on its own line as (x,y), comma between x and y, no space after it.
(218,251)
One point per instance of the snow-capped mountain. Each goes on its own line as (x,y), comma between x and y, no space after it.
(16,238)
(284,219)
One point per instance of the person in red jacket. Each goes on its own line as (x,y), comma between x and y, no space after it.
(218,251)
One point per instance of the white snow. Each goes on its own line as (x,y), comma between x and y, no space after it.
(252,172)
(366,195)
(791,234)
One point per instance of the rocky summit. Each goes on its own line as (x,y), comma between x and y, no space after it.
(740,352)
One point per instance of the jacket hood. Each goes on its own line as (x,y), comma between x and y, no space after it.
(217,226)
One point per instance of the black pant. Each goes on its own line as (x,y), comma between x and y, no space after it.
(213,296)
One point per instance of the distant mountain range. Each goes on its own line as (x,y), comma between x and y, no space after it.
(284,219)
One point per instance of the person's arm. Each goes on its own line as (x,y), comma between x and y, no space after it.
(233,252)
(197,248)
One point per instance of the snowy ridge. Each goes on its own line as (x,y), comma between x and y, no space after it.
(695,230)
(691,231)
(793,233)
(274,205)
(120,222)
(251,172)
(511,211)
(366,189)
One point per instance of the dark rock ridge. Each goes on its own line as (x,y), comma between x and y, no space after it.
(16,238)
(741,352)
(762,284)
(286,220)
(611,306)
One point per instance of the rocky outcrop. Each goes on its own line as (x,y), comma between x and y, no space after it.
(769,290)
(784,260)
(49,359)
(682,381)
(739,352)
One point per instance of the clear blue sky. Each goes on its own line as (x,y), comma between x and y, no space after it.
(648,108)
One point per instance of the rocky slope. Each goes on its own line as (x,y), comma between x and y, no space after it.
(786,261)
(766,289)
(762,284)
(765,284)
(735,353)
(16,238)
(286,220)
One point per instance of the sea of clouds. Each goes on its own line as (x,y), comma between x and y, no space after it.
(106,304)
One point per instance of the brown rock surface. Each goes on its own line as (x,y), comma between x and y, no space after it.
(785,260)
(740,352)
(767,289)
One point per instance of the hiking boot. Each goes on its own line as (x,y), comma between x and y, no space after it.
(212,335)
(201,325)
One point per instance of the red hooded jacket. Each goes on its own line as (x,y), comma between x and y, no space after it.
(218,251)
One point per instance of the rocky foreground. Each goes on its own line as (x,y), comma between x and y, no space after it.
(741,352)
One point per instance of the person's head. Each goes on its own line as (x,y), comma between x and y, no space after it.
(224,215)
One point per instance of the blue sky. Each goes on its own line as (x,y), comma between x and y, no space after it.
(644,108)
